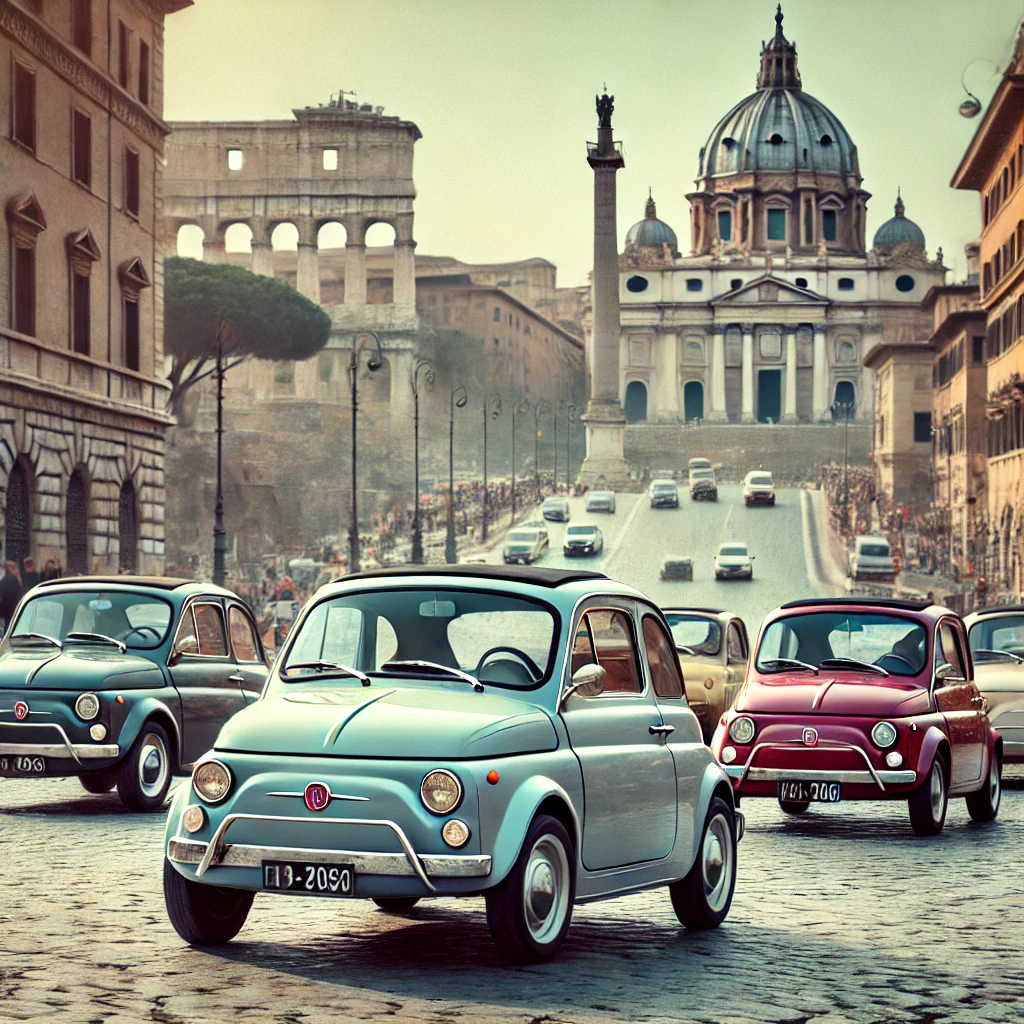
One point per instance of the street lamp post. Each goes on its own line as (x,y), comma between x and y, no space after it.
(513,462)
(373,364)
(425,367)
(492,410)
(459,397)
(845,408)
(225,330)
(570,418)
(538,408)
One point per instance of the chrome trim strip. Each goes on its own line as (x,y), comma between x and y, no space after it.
(191,851)
(215,850)
(879,778)
(10,711)
(52,750)
(334,796)
(77,751)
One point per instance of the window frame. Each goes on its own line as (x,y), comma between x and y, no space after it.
(648,613)
(779,211)
(734,625)
(17,289)
(132,159)
(124,53)
(188,615)
(131,301)
(19,67)
(81,119)
(81,19)
(81,344)
(638,665)
(145,79)
(235,606)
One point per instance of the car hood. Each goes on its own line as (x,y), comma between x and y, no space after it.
(844,694)
(77,668)
(386,721)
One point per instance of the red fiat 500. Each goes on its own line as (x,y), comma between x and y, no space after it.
(855,699)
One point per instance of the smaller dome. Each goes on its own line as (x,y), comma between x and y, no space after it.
(898,230)
(650,230)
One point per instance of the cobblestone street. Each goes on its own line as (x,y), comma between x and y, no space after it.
(841,916)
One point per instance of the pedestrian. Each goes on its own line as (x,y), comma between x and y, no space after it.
(29,576)
(51,570)
(11,591)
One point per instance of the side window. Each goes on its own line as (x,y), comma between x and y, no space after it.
(737,649)
(615,650)
(243,637)
(210,630)
(947,651)
(583,647)
(661,659)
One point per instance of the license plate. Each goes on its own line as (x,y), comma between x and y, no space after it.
(295,876)
(23,765)
(812,792)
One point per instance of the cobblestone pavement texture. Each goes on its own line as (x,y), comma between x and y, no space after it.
(840,916)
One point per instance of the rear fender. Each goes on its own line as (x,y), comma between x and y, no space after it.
(159,711)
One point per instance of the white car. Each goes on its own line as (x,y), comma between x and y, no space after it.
(524,545)
(758,488)
(871,558)
(734,562)
(600,501)
(585,539)
(555,509)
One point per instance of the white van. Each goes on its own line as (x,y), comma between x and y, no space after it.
(871,558)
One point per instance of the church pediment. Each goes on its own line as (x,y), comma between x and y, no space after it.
(768,289)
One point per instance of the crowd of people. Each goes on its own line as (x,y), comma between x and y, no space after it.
(16,582)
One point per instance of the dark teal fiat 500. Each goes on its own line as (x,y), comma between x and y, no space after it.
(123,681)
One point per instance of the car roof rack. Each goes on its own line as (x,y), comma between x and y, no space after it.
(876,602)
(537,575)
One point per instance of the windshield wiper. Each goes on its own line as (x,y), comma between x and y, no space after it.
(1001,654)
(96,638)
(853,663)
(789,663)
(433,668)
(37,636)
(329,667)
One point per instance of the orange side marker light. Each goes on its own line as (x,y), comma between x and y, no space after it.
(492,777)
(120,699)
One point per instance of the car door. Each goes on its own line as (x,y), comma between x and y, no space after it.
(619,738)
(247,651)
(205,676)
(736,654)
(962,706)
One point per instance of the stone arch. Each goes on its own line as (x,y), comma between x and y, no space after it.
(635,404)
(238,237)
(76,523)
(284,236)
(845,392)
(18,507)
(128,526)
(380,266)
(693,401)
(331,234)
(189,240)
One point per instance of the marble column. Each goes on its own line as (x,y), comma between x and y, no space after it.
(262,259)
(307,267)
(820,400)
(404,286)
(747,373)
(355,274)
(789,409)
(718,412)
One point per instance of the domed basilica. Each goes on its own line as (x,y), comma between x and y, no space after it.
(770,316)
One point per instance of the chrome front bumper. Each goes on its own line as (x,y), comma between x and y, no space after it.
(218,854)
(743,772)
(77,752)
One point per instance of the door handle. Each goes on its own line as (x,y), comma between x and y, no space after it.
(237,678)
(978,700)
(661,730)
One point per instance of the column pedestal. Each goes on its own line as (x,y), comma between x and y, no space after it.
(404,284)
(262,259)
(605,464)
(747,378)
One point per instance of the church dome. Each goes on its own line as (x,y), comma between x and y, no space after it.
(650,230)
(779,127)
(898,230)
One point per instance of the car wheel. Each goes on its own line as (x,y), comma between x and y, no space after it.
(396,904)
(529,912)
(928,802)
(98,782)
(794,806)
(702,899)
(203,915)
(984,804)
(144,776)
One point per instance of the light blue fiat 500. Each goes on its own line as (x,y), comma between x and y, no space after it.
(511,732)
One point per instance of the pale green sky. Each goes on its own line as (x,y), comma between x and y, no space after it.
(504,96)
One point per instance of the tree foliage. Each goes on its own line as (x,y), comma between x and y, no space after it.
(254,316)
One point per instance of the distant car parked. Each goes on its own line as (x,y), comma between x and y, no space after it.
(600,501)
(663,494)
(585,539)
(871,558)
(734,562)
(758,488)
(703,485)
(524,546)
(555,510)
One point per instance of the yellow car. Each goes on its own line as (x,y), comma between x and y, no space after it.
(713,649)
(996,638)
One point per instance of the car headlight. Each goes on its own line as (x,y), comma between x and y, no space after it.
(884,735)
(211,780)
(87,707)
(742,730)
(440,791)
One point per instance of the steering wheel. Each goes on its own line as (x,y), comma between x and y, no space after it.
(142,629)
(897,657)
(531,665)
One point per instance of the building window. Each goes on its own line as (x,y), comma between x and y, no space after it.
(801,282)
(636,284)
(828,225)
(736,282)
(978,350)
(904,283)
(80,314)
(24,127)
(694,284)
(24,320)
(81,25)
(123,55)
(776,225)
(725,225)
(143,73)
(234,159)
(496,316)
(133,279)
(330,159)
(922,427)
(81,148)
(131,182)
(131,333)
(845,284)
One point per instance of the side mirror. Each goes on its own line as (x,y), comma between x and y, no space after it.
(185,645)
(587,681)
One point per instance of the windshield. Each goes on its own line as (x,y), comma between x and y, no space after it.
(733,549)
(554,502)
(664,488)
(702,474)
(761,479)
(891,642)
(451,628)
(581,531)
(522,537)
(702,636)
(138,620)
(875,550)
(700,463)
(997,633)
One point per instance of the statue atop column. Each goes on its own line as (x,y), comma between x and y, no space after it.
(605,106)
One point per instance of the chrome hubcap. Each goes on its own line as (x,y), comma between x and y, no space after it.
(716,862)
(546,889)
(938,787)
(152,765)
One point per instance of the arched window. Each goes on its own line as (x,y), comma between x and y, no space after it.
(725,225)
(128,527)
(693,400)
(636,401)
(18,539)
(844,396)
(77,525)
